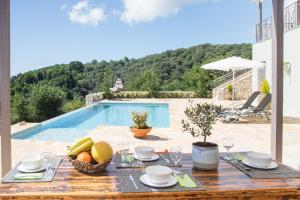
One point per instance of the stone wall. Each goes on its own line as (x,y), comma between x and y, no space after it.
(92,98)
(243,88)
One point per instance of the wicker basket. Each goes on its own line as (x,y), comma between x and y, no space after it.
(88,168)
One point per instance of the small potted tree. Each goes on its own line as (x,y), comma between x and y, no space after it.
(200,118)
(229,92)
(140,129)
(264,90)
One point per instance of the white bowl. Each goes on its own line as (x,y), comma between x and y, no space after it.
(259,159)
(158,174)
(32,161)
(144,152)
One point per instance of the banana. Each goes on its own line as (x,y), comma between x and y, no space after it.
(82,148)
(79,142)
(87,149)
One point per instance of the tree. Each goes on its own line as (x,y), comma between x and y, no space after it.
(20,110)
(200,80)
(107,81)
(149,81)
(46,102)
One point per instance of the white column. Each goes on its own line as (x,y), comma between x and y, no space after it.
(5,86)
(277,80)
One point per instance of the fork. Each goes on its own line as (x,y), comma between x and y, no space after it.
(132,180)
(167,160)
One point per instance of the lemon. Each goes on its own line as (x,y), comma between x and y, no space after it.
(102,152)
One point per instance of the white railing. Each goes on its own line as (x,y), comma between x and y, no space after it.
(228,77)
(291,20)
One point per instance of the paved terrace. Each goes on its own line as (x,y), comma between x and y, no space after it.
(250,135)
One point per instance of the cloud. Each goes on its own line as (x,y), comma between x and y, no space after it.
(137,11)
(86,14)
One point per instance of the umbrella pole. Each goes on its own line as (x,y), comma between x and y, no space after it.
(233,88)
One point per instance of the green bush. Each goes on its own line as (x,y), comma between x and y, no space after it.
(73,105)
(229,88)
(265,87)
(46,102)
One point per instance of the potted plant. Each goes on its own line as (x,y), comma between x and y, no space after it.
(140,128)
(264,89)
(200,118)
(229,91)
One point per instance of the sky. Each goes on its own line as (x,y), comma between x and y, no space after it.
(49,32)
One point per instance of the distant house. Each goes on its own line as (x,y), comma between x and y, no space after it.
(262,51)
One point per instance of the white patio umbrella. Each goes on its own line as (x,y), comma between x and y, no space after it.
(233,63)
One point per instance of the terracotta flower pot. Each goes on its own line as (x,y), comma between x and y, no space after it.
(140,133)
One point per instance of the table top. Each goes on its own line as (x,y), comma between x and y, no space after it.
(225,183)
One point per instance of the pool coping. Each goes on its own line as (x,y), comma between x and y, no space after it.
(78,110)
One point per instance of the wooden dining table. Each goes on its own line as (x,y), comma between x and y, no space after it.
(226,182)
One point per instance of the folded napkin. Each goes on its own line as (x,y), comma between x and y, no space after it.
(28,176)
(186,181)
(128,158)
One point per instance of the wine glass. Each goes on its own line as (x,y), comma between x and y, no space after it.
(176,154)
(228,143)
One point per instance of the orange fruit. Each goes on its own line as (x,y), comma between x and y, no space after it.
(84,157)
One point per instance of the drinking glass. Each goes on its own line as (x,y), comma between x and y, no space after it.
(47,159)
(124,152)
(228,143)
(176,154)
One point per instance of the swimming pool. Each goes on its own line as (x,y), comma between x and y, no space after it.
(76,124)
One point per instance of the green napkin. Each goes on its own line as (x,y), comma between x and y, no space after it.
(180,181)
(185,181)
(239,157)
(28,176)
(130,158)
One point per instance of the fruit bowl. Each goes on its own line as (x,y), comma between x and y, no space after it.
(88,168)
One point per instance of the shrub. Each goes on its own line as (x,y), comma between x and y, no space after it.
(139,120)
(229,88)
(73,105)
(265,87)
(46,102)
(156,94)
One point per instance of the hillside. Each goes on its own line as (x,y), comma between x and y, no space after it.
(171,70)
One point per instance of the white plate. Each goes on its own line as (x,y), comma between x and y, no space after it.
(153,158)
(21,168)
(144,179)
(272,165)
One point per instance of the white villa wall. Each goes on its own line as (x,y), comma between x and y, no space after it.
(263,52)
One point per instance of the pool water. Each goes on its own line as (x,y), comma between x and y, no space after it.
(76,124)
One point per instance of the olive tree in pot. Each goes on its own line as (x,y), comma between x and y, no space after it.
(140,129)
(200,118)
